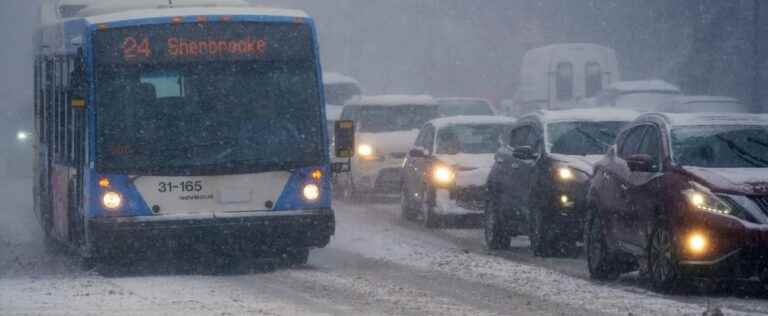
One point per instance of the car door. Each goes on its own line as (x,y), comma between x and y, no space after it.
(644,191)
(409,166)
(621,208)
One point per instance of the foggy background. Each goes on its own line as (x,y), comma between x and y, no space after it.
(473,48)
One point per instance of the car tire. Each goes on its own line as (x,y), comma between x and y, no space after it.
(296,257)
(601,263)
(542,242)
(428,217)
(663,268)
(496,232)
(407,211)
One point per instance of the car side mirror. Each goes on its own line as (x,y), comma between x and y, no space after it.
(524,153)
(640,163)
(418,152)
(344,138)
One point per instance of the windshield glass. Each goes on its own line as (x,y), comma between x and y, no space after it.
(464,108)
(470,139)
(378,119)
(177,111)
(721,146)
(582,138)
(643,101)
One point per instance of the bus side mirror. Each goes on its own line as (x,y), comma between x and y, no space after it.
(77,84)
(344,133)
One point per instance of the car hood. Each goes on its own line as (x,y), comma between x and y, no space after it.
(740,180)
(471,169)
(584,163)
(389,142)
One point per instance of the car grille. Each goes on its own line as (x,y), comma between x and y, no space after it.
(472,197)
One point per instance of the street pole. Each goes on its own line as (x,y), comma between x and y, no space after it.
(756,58)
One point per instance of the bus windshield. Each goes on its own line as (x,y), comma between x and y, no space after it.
(215,113)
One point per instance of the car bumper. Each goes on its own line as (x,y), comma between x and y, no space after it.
(236,231)
(383,176)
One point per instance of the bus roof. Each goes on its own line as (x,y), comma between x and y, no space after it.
(192,11)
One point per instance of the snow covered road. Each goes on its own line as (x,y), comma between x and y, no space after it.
(376,264)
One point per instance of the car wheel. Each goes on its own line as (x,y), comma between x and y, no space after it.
(662,259)
(599,259)
(406,208)
(428,216)
(296,257)
(497,236)
(542,244)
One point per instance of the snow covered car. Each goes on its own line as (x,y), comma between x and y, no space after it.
(386,127)
(464,106)
(445,172)
(539,181)
(703,104)
(682,195)
(641,95)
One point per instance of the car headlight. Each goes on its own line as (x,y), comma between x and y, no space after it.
(443,175)
(365,151)
(565,173)
(701,198)
(112,200)
(311,192)
(22,136)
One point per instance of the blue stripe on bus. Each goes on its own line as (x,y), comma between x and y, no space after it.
(133,203)
(292,197)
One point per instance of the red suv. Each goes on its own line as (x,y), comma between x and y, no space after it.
(682,195)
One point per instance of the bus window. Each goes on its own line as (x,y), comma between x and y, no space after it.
(564,81)
(167,84)
(594,79)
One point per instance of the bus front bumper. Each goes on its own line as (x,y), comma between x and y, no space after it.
(247,231)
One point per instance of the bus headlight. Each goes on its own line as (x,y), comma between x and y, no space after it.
(443,175)
(311,192)
(112,200)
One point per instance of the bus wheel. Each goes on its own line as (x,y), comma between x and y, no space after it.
(296,257)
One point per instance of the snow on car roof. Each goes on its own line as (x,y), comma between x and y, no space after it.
(121,11)
(694,119)
(470,120)
(702,98)
(592,114)
(394,100)
(455,100)
(337,78)
(643,85)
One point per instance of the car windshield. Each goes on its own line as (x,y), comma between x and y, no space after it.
(469,139)
(464,108)
(380,119)
(721,146)
(582,138)
(235,117)
(643,101)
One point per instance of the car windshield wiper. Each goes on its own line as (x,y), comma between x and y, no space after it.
(743,154)
(591,137)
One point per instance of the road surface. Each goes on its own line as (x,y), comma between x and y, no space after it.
(377,264)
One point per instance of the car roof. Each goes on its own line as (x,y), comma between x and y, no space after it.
(470,120)
(337,78)
(587,115)
(701,98)
(457,100)
(702,119)
(394,100)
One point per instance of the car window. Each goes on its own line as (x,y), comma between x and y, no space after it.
(533,139)
(631,143)
(427,138)
(651,145)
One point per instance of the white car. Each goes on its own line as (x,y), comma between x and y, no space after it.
(464,106)
(386,127)
(704,104)
(445,172)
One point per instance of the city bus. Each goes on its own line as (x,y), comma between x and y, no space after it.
(181,124)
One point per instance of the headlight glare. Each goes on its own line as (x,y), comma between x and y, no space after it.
(365,150)
(311,192)
(565,173)
(443,175)
(112,200)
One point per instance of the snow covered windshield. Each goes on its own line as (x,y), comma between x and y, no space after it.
(470,139)
(379,119)
(643,101)
(214,112)
(721,146)
(582,138)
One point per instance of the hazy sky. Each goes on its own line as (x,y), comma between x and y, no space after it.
(18,19)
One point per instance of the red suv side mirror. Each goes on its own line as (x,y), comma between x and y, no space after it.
(640,163)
